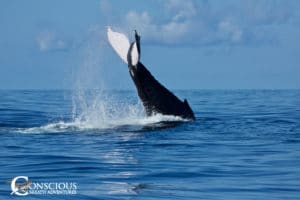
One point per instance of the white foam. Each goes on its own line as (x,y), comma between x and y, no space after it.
(78,125)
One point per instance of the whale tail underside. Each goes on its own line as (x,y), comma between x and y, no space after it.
(123,48)
(155,97)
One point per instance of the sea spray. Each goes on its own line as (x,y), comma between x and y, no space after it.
(93,104)
(104,109)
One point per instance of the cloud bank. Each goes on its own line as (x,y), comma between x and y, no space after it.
(189,22)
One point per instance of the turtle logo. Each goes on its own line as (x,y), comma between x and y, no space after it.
(20,188)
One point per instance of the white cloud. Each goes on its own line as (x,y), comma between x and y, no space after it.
(49,41)
(181,9)
(167,32)
(172,32)
(141,21)
(230,31)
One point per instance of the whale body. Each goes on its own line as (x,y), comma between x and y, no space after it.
(155,97)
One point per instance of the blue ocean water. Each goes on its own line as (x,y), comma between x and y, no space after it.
(245,144)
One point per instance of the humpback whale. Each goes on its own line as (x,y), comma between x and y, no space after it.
(155,97)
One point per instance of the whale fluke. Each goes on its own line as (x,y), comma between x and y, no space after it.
(119,42)
(155,97)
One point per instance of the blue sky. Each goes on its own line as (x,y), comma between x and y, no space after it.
(61,44)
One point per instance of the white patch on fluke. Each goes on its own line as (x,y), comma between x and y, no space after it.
(121,45)
(134,55)
(119,42)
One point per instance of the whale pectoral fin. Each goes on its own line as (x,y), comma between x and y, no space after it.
(119,42)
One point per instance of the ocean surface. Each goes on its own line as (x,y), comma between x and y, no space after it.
(244,144)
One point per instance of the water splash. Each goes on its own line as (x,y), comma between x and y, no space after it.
(102,111)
